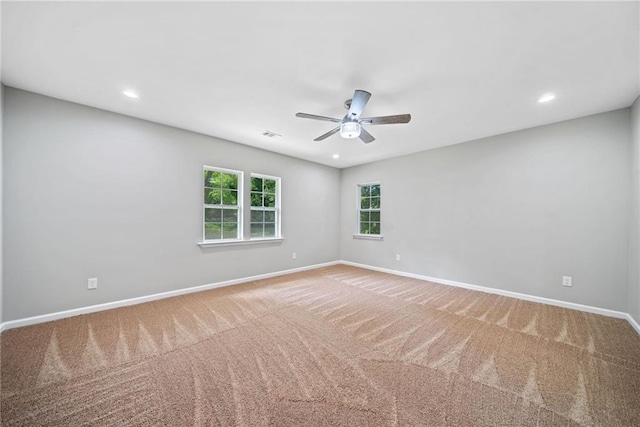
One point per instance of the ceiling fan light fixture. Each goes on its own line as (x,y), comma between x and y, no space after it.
(350,126)
(350,130)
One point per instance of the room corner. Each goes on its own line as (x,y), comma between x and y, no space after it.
(634,216)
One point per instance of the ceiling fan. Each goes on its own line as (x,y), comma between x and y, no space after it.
(351,123)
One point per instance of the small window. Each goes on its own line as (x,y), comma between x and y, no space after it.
(369,209)
(222,204)
(265,206)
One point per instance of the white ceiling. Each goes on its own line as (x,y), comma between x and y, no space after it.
(233,70)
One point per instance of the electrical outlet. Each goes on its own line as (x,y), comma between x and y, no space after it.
(398,257)
(93,283)
(566,281)
(294,256)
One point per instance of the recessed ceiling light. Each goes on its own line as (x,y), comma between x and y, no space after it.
(336,156)
(547,97)
(130,94)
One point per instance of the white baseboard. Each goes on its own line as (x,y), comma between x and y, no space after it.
(633,322)
(526,297)
(131,301)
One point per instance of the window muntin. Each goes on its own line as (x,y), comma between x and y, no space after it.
(369,209)
(265,206)
(222,204)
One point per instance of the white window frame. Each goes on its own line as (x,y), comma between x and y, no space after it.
(275,209)
(238,207)
(357,234)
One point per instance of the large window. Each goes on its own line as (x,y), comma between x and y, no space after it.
(222,204)
(369,209)
(265,206)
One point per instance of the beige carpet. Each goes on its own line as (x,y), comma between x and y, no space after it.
(338,346)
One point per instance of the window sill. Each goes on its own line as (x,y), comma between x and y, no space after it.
(239,242)
(368,236)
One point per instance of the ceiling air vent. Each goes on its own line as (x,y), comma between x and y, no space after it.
(270,134)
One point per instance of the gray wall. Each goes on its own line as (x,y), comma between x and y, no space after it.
(89,193)
(514,212)
(634,235)
(1,172)
(1,191)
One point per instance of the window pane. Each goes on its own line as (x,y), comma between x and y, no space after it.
(230,215)
(230,197)
(257,216)
(211,197)
(257,230)
(263,195)
(270,200)
(211,179)
(269,186)
(375,228)
(221,189)
(364,228)
(230,181)
(212,215)
(269,230)
(256,199)
(256,184)
(369,209)
(212,231)
(230,231)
